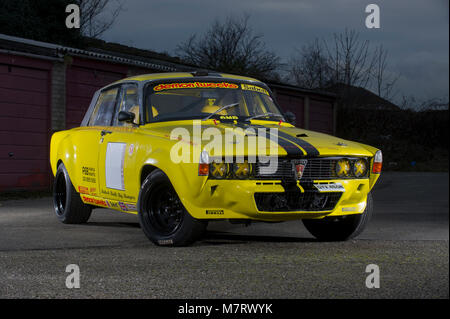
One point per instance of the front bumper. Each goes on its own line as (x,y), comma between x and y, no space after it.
(232,199)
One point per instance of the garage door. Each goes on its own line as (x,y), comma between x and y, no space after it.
(81,85)
(321,116)
(24,128)
(293,104)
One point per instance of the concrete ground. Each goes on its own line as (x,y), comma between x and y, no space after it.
(407,238)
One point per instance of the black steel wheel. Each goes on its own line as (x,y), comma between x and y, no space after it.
(165,209)
(60,193)
(340,228)
(68,206)
(162,216)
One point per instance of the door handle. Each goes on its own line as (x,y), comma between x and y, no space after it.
(104,132)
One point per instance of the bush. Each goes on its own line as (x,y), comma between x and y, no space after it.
(409,140)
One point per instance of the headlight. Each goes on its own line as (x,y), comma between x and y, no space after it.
(242,170)
(342,168)
(360,168)
(218,170)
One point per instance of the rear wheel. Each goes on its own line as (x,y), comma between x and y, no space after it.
(68,206)
(163,217)
(342,227)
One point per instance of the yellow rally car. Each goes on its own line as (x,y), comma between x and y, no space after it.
(184,149)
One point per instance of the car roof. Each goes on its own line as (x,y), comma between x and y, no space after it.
(183,75)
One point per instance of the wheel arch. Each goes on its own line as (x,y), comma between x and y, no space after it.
(145,171)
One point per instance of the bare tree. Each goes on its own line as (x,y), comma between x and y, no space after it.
(422,105)
(97,16)
(230,46)
(384,81)
(350,59)
(309,66)
(344,62)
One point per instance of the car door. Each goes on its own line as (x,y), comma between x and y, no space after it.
(117,149)
(88,139)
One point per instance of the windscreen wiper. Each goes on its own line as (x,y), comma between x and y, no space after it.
(264,115)
(220,110)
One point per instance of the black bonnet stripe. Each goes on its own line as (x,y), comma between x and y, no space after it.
(310,150)
(291,149)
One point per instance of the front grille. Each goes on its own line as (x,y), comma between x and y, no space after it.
(316,169)
(319,168)
(284,170)
(296,201)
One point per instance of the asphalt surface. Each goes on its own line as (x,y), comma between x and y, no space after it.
(407,238)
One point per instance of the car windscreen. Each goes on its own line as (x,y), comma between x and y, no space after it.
(199,99)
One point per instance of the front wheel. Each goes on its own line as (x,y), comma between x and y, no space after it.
(342,227)
(162,216)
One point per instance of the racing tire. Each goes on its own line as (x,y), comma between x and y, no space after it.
(342,227)
(162,216)
(68,206)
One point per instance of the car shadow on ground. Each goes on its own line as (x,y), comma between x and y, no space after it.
(224,238)
(213,238)
(113,224)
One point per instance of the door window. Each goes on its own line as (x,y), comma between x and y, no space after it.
(104,109)
(128,102)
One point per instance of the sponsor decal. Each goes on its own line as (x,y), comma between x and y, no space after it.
(194,85)
(255,88)
(214,212)
(120,205)
(131,207)
(93,191)
(229,117)
(128,197)
(348,209)
(88,174)
(94,201)
(83,190)
(114,204)
(123,206)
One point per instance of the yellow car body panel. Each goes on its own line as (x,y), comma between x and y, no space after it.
(146,147)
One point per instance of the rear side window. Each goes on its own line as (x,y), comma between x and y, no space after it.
(104,109)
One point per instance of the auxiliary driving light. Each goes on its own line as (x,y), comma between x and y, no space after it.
(342,168)
(242,170)
(218,170)
(360,168)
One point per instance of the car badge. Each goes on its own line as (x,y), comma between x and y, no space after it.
(131,150)
(300,168)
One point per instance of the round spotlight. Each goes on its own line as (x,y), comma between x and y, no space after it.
(360,168)
(218,170)
(342,168)
(242,170)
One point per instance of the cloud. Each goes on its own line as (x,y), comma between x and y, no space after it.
(414,32)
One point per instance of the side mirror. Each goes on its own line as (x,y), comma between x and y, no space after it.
(290,117)
(125,116)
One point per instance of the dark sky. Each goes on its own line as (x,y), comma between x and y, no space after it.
(415,32)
